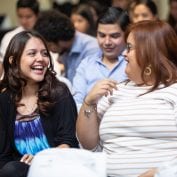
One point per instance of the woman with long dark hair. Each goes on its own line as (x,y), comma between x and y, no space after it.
(36,110)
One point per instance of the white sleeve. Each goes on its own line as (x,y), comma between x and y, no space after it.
(102,106)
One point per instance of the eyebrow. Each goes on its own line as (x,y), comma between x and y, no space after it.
(36,49)
(29,50)
(109,33)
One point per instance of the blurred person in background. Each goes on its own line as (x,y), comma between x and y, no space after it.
(124,4)
(62,38)
(64,6)
(172,18)
(144,10)
(83,19)
(27,13)
(96,9)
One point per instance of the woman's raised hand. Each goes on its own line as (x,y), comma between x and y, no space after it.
(101,88)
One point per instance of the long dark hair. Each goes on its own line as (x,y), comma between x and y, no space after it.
(13,82)
(84,10)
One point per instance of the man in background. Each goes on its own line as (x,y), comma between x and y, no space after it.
(62,38)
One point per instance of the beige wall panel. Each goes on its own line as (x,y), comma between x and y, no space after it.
(163,8)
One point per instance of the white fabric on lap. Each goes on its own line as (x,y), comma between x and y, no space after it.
(68,162)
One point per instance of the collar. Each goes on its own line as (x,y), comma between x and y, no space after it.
(120,58)
(77,46)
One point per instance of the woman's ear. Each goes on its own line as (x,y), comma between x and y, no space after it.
(11,59)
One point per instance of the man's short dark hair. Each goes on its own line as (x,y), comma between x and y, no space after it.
(54,26)
(114,15)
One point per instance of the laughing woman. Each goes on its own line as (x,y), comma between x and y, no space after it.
(36,110)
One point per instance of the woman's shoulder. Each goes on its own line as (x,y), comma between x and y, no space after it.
(170,91)
(4,95)
(173,85)
(61,90)
(6,102)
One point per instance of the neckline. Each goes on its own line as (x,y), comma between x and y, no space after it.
(33,113)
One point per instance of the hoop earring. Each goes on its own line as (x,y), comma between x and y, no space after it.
(148,70)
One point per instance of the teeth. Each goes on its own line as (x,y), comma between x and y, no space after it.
(38,67)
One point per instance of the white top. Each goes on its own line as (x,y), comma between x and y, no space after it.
(138,132)
(6,39)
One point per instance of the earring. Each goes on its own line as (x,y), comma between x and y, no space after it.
(148,70)
(11,59)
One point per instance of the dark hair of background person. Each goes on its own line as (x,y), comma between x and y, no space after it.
(32,4)
(84,10)
(124,4)
(150,4)
(171,20)
(155,45)
(55,26)
(114,15)
(49,89)
(97,7)
(103,3)
(65,8)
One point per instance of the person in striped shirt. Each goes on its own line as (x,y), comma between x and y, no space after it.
(135,122)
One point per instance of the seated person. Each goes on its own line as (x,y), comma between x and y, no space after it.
(143,10)
(107,63)
(72,46)
(83,19)
(134,122)
(27,13)
(37,111)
